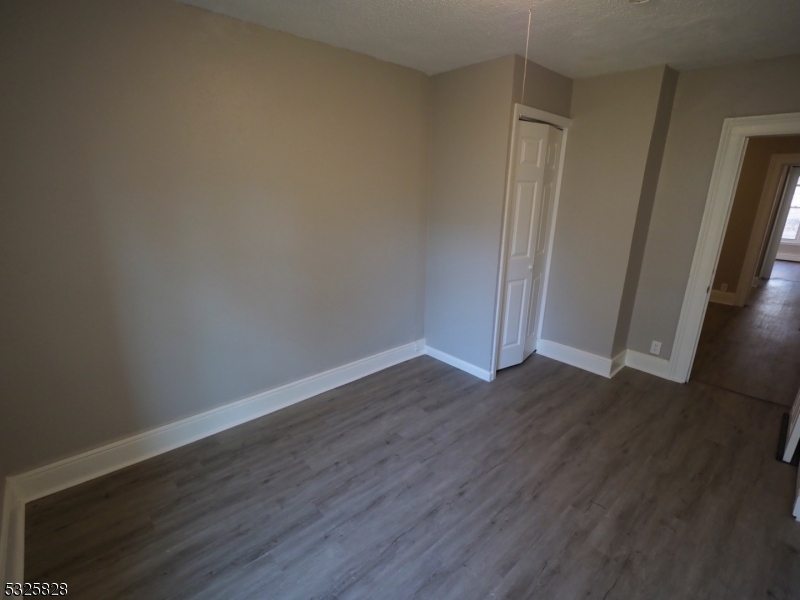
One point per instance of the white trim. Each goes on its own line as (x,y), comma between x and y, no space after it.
(792,440)
(789,257)
(459,364)
(520,110)
(564,124)
(759,234)
(117,455)
(792,431)
(599,365)
(12,536)
(723,298)
(648,363)
(617,363)
(796,511)
(712,229)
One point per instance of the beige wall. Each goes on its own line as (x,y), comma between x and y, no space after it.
(544,89)
(472,109)
(704,98)
(644,211)
(752,178)
(194,209)
(614,119)
(471,112)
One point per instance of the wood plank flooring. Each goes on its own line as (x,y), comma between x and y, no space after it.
(786,269)
(755,350)
(424,482)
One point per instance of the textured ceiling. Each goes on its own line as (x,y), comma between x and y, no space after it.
(578,38)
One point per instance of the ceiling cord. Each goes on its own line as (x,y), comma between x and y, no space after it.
(527,42)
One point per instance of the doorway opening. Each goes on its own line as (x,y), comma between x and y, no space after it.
(724,178)
(750,337)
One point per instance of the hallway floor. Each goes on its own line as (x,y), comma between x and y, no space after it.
(755,350)
(785,269)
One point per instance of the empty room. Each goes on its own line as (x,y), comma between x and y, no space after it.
(399,299)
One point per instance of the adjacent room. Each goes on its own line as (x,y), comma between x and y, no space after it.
(411,299)
(750,341)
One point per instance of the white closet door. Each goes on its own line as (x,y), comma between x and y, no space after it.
(542,246)
(535,163)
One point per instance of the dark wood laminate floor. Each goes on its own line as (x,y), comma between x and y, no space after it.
(424,482)
(755,350)
(786,269)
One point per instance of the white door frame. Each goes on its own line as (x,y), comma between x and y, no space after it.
(792,441)
(562,123)
(793,432)
(730,154)
(760,235)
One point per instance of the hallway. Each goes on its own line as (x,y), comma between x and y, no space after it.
(755,350)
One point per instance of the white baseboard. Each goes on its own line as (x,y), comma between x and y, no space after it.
(617,363)
(459,364)
(112,457)
(12,536)
(723,297)
(600,365)
(607,367)
(796,511)
(787,256)
(648,364)
(66,473)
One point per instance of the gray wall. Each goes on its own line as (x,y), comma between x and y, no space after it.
(194,209)
(703,100)
(746,201)
(471,125)
(544,89)
(471,112)
(644,212)
(607,151)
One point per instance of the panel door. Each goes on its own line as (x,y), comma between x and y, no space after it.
(544,225)
(525,213)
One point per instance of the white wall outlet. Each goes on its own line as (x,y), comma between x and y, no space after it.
(723,287)
(655,348)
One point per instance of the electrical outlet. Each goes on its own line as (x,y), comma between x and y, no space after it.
(655,348)
(723,287)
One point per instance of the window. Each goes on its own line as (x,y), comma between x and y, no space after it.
(792,228)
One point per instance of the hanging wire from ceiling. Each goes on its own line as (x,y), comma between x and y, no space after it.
(527,43)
